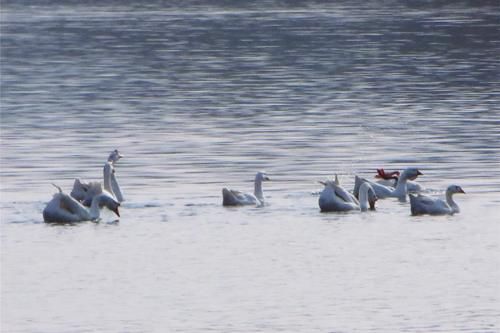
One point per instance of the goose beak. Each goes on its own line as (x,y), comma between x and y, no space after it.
(415,177)
(460,190)
(116,211)
(267,178)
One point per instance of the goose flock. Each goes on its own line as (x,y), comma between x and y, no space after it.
(334,198)
(87,199)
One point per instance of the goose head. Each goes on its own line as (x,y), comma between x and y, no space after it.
(114,156)
(261,176)
(411,173)
(452,189)
(105,200)
(367,195)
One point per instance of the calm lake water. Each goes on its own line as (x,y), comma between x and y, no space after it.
(202,96)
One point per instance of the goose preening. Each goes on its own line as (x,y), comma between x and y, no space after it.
(334,198)
(237,198)
(423,204)
(382,191)
(391,179)
(65,209)
(83,192)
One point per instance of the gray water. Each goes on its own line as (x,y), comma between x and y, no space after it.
(202,96)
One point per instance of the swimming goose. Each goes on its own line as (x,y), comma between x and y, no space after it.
(382,191)
(110,182)
(237,198)
(391,179)
(422,204)
(63,208)
(334,198)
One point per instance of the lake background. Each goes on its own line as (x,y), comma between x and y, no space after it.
(203,95)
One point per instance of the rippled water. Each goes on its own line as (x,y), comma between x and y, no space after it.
(202,96)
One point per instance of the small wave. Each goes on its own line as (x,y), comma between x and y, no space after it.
(201,205)
(139,205)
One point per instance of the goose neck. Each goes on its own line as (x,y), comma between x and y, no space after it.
(363,197)
(258,189)
(451,202)
(107,171)
(400,189)
(94,208)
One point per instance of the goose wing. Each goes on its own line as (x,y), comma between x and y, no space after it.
(60,209)
(237,198)
(344,195)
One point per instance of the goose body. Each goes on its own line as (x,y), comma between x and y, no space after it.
(382,191)
(237,198)
(423,204)
(66,209)
(334,198)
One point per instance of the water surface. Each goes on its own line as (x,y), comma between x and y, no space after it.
(202,96)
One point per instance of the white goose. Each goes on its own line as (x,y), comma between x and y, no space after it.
(110,182)
(400,191)
(422,204)
(334,198)
(83,192)
(237,198)
(391,179)
(65,209)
